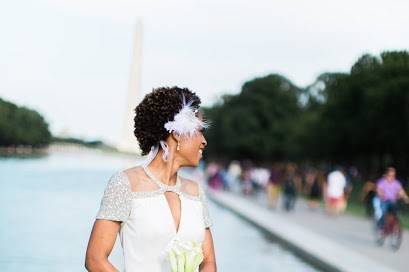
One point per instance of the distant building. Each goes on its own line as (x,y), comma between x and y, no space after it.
(128,141)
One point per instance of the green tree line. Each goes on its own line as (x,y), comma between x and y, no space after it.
(357,118)
(22,126)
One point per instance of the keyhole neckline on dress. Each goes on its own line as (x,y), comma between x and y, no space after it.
(172,188)
(175,188)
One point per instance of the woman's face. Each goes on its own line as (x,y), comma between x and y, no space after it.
(191,149)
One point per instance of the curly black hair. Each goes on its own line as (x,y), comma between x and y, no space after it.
(156,109)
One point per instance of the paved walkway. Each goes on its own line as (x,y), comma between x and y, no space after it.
(343,243)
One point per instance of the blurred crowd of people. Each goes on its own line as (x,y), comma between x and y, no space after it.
(283,183)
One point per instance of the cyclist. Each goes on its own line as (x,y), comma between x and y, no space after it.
(389,190)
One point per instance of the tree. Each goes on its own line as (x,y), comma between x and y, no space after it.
(360,117)
(22,126)
(257,123)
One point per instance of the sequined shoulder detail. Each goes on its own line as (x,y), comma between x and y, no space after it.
(116,202)
(147,193)
(206,215)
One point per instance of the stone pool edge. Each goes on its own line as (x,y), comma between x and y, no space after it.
(313,248)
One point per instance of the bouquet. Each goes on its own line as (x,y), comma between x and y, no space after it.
(185,256)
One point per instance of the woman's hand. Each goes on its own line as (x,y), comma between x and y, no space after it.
(101,242)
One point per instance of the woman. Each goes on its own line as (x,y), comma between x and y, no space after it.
(368,195)
(273,187)
(151,206)
(314,180)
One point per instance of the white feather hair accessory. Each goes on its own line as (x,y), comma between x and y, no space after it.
(185,122)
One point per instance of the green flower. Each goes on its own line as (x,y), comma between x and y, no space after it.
(173,261)
(185,256)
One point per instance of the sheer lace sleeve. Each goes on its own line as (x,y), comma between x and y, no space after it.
(116,202)
(206,216)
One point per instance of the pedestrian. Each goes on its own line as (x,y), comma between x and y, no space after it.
(335,192)
(368,195)
(273,187)
(291,185)
(314,180)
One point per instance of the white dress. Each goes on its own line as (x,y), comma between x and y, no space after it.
(147,225)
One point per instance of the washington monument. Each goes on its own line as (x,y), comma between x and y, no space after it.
(128,141)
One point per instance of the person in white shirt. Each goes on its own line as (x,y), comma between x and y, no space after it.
(335,192)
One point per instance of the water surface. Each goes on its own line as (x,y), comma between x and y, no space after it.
(48,206)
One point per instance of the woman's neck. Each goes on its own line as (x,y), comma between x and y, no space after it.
(166,172)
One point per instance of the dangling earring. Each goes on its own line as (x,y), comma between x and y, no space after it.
(178,147)
(165,148)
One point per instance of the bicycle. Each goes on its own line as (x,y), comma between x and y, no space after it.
(391,227)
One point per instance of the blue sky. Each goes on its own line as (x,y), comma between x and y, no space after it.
(70,60)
